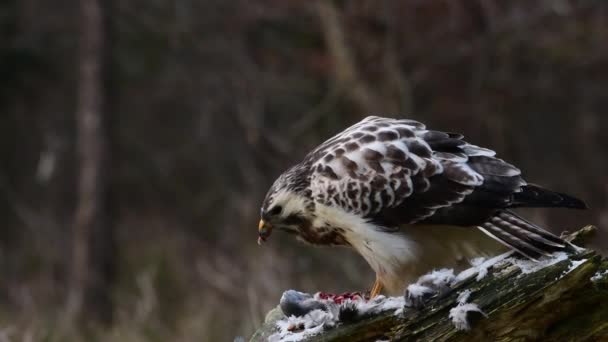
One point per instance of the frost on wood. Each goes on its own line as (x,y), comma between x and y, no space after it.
(557,298)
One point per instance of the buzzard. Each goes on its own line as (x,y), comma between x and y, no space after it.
(407,199)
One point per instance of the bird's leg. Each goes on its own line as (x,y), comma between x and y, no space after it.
(375,289)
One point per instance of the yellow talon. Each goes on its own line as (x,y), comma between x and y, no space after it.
(375,289)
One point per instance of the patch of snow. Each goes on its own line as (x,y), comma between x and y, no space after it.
(599,275)
(458,314)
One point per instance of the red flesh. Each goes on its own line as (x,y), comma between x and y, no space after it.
(340,298)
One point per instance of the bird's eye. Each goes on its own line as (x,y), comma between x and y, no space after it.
(275,211)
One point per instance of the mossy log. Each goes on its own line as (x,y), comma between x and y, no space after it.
(556,303)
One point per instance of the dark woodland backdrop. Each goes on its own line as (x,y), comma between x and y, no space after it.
(138,139)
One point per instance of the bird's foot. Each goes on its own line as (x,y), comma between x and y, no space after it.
(376,288)
(433,285)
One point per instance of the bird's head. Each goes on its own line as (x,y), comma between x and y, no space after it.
(287,206)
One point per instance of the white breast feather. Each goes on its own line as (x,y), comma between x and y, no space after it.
(385,252)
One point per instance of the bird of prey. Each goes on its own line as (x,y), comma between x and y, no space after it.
(406,198)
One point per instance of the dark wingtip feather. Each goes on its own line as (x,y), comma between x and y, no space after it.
(536,196)
(567,201)
(576,203)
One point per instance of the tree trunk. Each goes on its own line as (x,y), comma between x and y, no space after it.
(557,303)
(93,240)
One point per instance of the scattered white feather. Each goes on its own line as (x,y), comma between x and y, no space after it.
(392,303)
(442,277)
(416,290)
(430,283)
(599,275)
(463,296)
(459,313)
(380,304)
(481,266)
(295,329)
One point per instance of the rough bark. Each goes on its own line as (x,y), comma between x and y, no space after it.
(550,304)
(92,265)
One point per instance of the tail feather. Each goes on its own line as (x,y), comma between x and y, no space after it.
(517,221)
(511,241)
(526,238)
(536,196)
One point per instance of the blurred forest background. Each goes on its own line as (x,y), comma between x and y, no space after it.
(138,138)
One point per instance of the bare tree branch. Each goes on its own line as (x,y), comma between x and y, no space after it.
(92,240)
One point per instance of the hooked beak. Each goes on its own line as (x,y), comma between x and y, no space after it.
(264,230)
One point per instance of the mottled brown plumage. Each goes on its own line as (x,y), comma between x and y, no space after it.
(380,184)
